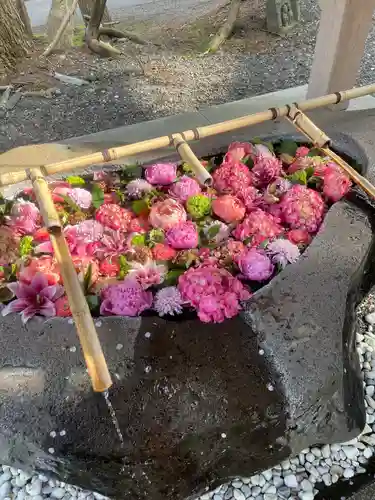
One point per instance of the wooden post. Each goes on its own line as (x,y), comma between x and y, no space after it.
(343,30)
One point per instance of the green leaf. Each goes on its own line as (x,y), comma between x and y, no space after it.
(264,244)
(93,301)
(213,231)
(314,181)
(247,241)
(26,245)
(124,267)
(314,152)
(75,180)
(97,196)
(10,272)
(71,204)
(172,276)
(129,172)
(299,177)
(140,207)
(138,240)
(248,161)
(87,280)
(309,172)
(5,294)
(288,147)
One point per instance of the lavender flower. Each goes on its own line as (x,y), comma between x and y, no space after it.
(137,188)
(255,265)
(283,252)
(36,298)
(168,301)
(81,197)
(148,274)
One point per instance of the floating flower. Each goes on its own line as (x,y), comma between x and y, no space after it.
(141,254)
(302,208)
(112,243)
(229,208)
(36,298)
(258,226)
(24,217)
(255,265)
(81,197)
(166,214)
(262,150)
(276,189)
(9,246)
(216,231)
(125,299)
(148,274)
(139,225)
(231,177)
(283,252)
(45,265)
(82,264)
(265,170)
(198,206)
(213,292)
(306,162)
(183,236)
(109,267)
(62,307)
(138,188)
(161,173)
(335,185)
(302,151)
(184,188)
(114,216)
(168,301)
(41,235)
(250,197)
(299,237)
(237,151)
(160,251)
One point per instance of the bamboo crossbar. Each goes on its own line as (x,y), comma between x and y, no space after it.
(18,174)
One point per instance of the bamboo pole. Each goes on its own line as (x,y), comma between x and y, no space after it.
(189,157)
(12,177)
(92,350)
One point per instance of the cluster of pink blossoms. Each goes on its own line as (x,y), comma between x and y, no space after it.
(163,242)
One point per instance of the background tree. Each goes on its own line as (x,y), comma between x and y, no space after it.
(14,42)
(22,11)
(57,13)
(86,8)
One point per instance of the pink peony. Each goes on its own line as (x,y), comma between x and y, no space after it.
(168,301)
(302,208)
(335,185)
(231,177)
(114,216)
(184,188)
(36,298)
(255,265)
(183,236)
(109,267)
(81,197)
(213,292)
(237,151)
(250,197)
(265,170)
(299,237)
(304,162)
(139,225)
(160,251)
(259,226)
(228,208)
(148,274)
(166,214)
(161,173)
(302,151)
(24,217)
(112,243)
(138,188)
(125,299)
(45,265)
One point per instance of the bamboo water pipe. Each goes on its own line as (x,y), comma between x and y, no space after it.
(18,174)
(92,350)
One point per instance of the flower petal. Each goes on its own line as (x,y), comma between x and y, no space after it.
(48,292)
(21,290)
(39,282)
(17,305)
(28,313)
(47,309)
(45,247)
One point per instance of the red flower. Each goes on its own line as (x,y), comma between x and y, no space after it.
(41,235)
(163,252)
(109,267)
(62,307)
(114,216)
(45,265)
(299,236)
(139,225)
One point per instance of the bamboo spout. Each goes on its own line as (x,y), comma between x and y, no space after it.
(92,350)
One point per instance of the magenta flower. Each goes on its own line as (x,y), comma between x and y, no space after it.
(24,217)
(302,151)
(184,188)
(255,265)
(183,236)
(36,298)
(81,197)
(161,173)
(137,189)
(168,301)
(265,170)
(283,252)
(125,299)
(213,292)
(148,274)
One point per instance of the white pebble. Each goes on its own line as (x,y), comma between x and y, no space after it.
(327,479)
(285,464)
(310,457)
(350,451)
(306,485)
(291,481)
(223,435)
(5,489)
(73,348)
(62,433)
(43,478)
(148,369)
(119,347)
(261,352)
(370,318)
(53,434)
(262,481)
(316,452)
(148,335)
(348,473)
(47,490)
(58,493)
(34,488)
(269,496)
(270,489)
(306,495)
(255,481)
(267,474)
(238,495)
(370,389)
(255,491)
(367,452)
(98,324)
(270,387)
(277,481)
(5,476)
(51,450)
(326,451)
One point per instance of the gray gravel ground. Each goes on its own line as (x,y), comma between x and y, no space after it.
(173,84)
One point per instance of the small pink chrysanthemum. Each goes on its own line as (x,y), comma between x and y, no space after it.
(250,196)
(148,274)
(184,188)
(265,170)
(81,197)
(36,298)
(302,208)
(138,188)
(166,214)
(113,243)
(302,151)
(283,252)
(168,301)
(231,177)
(114,216)
(125,299)
(161,173)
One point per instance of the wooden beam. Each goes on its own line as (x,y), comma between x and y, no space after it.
(343,30)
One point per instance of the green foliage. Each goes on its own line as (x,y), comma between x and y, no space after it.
(93,302)
(172,276)
(26,246)
(139,240)
(213,231)
(288,147)
(97,196)
(140,207)
(87,280)
(75,180)
(299,177)
(124,267)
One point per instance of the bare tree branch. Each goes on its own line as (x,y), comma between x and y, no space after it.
(61,30)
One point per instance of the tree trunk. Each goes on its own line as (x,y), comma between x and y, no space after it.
(59,8)
(226,29)
(93,32)
(87,7)
(24,15)
(13,38)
